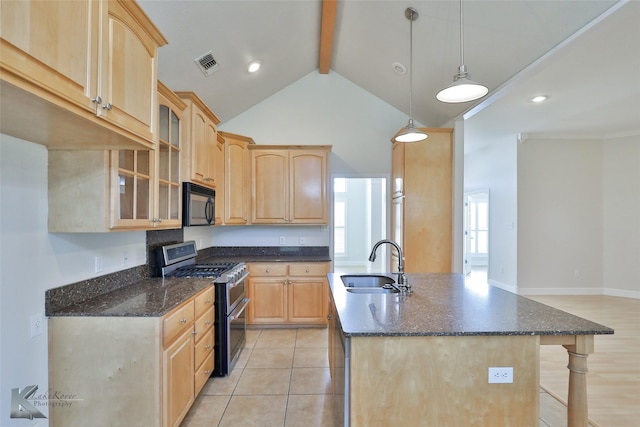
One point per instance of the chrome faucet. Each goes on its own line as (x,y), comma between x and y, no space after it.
(403,283)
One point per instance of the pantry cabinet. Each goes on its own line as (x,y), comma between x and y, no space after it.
(422,202)
(137,370)
(201,142)
(236,179)
(289,184)
(96,190)
(87,68)
(288,293)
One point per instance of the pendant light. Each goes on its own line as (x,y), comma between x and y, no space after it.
(462,89)
(410,133)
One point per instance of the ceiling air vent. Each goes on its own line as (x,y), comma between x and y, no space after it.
(207,64)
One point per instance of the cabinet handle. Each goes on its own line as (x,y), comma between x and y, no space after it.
(207,347)
(207,372)
(195,332)
(208,300)
(207,322)
(307,270)
(183,320)
(329,317)
(97,100)
(267,271)
(107,106)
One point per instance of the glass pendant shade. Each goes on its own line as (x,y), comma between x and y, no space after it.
(462,89)
(410,134)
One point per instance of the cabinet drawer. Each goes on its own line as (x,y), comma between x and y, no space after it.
(204,347)
(308,269)
(204,301)
(176,322)
(203,323)
(267,270)
(203,373)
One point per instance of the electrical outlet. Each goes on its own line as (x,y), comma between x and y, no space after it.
(282,240)
(36,324)
(97,261)
(501,375)
(301,241)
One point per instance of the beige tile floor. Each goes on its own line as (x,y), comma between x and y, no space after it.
(282,379)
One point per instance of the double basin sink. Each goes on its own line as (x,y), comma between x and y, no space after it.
(369,284)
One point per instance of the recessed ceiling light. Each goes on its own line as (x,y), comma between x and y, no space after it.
(539,98)
(254,66)
(399,68)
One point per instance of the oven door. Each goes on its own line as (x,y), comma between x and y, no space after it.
(236,333)
(236,292)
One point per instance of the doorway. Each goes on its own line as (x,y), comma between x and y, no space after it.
(476,236)
(359,220)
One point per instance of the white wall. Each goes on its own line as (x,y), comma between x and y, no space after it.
(493,169)
(32,261)
(621,217)
(560,216)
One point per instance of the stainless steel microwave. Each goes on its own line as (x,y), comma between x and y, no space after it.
(198,205)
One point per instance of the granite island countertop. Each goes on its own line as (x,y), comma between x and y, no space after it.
(442,305)
(152,297)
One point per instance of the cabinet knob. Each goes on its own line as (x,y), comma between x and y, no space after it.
(207,372)
(195,332)
(329,317)
(183,320)
(208,300)
(268,271)
(207,347)
(306,270)
(97,100)
(207,322)
(107,106)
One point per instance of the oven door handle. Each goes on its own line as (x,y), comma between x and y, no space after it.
(239,309)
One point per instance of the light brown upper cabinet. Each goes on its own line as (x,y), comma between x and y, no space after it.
(236,179)
(79,75)
(289,184)
(422,195)
(220,180)
(104,190)
(201,142)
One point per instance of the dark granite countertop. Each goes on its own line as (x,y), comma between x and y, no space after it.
(152,297)
(264,254)
(441,304)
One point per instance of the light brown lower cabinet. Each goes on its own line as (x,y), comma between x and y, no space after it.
(133,371)
(288,293)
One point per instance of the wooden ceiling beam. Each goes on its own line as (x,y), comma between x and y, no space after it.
(326,34)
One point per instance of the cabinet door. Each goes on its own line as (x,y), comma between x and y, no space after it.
(178,379)
(168,165)
(268,300)
(128,84)
(236,183)
(63,38)
(220,180)
(307,300)
(270,186)
(131,189)
(308,187)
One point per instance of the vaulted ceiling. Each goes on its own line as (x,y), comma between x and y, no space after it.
(501,39)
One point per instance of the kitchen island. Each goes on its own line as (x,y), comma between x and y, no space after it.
(424,358)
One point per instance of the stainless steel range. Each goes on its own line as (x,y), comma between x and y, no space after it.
(229,279)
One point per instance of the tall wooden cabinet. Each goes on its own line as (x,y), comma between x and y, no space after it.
(236,179)
(201,142)
(88,68)
(422,202)
(289,184)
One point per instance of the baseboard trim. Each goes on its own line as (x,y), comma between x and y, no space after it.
(579,291)
(621,293)
(504,286)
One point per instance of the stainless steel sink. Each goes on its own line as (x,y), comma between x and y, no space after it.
(366,281)
(377,290)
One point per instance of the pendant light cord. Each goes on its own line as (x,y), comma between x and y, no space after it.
(461,36)
(411,66)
